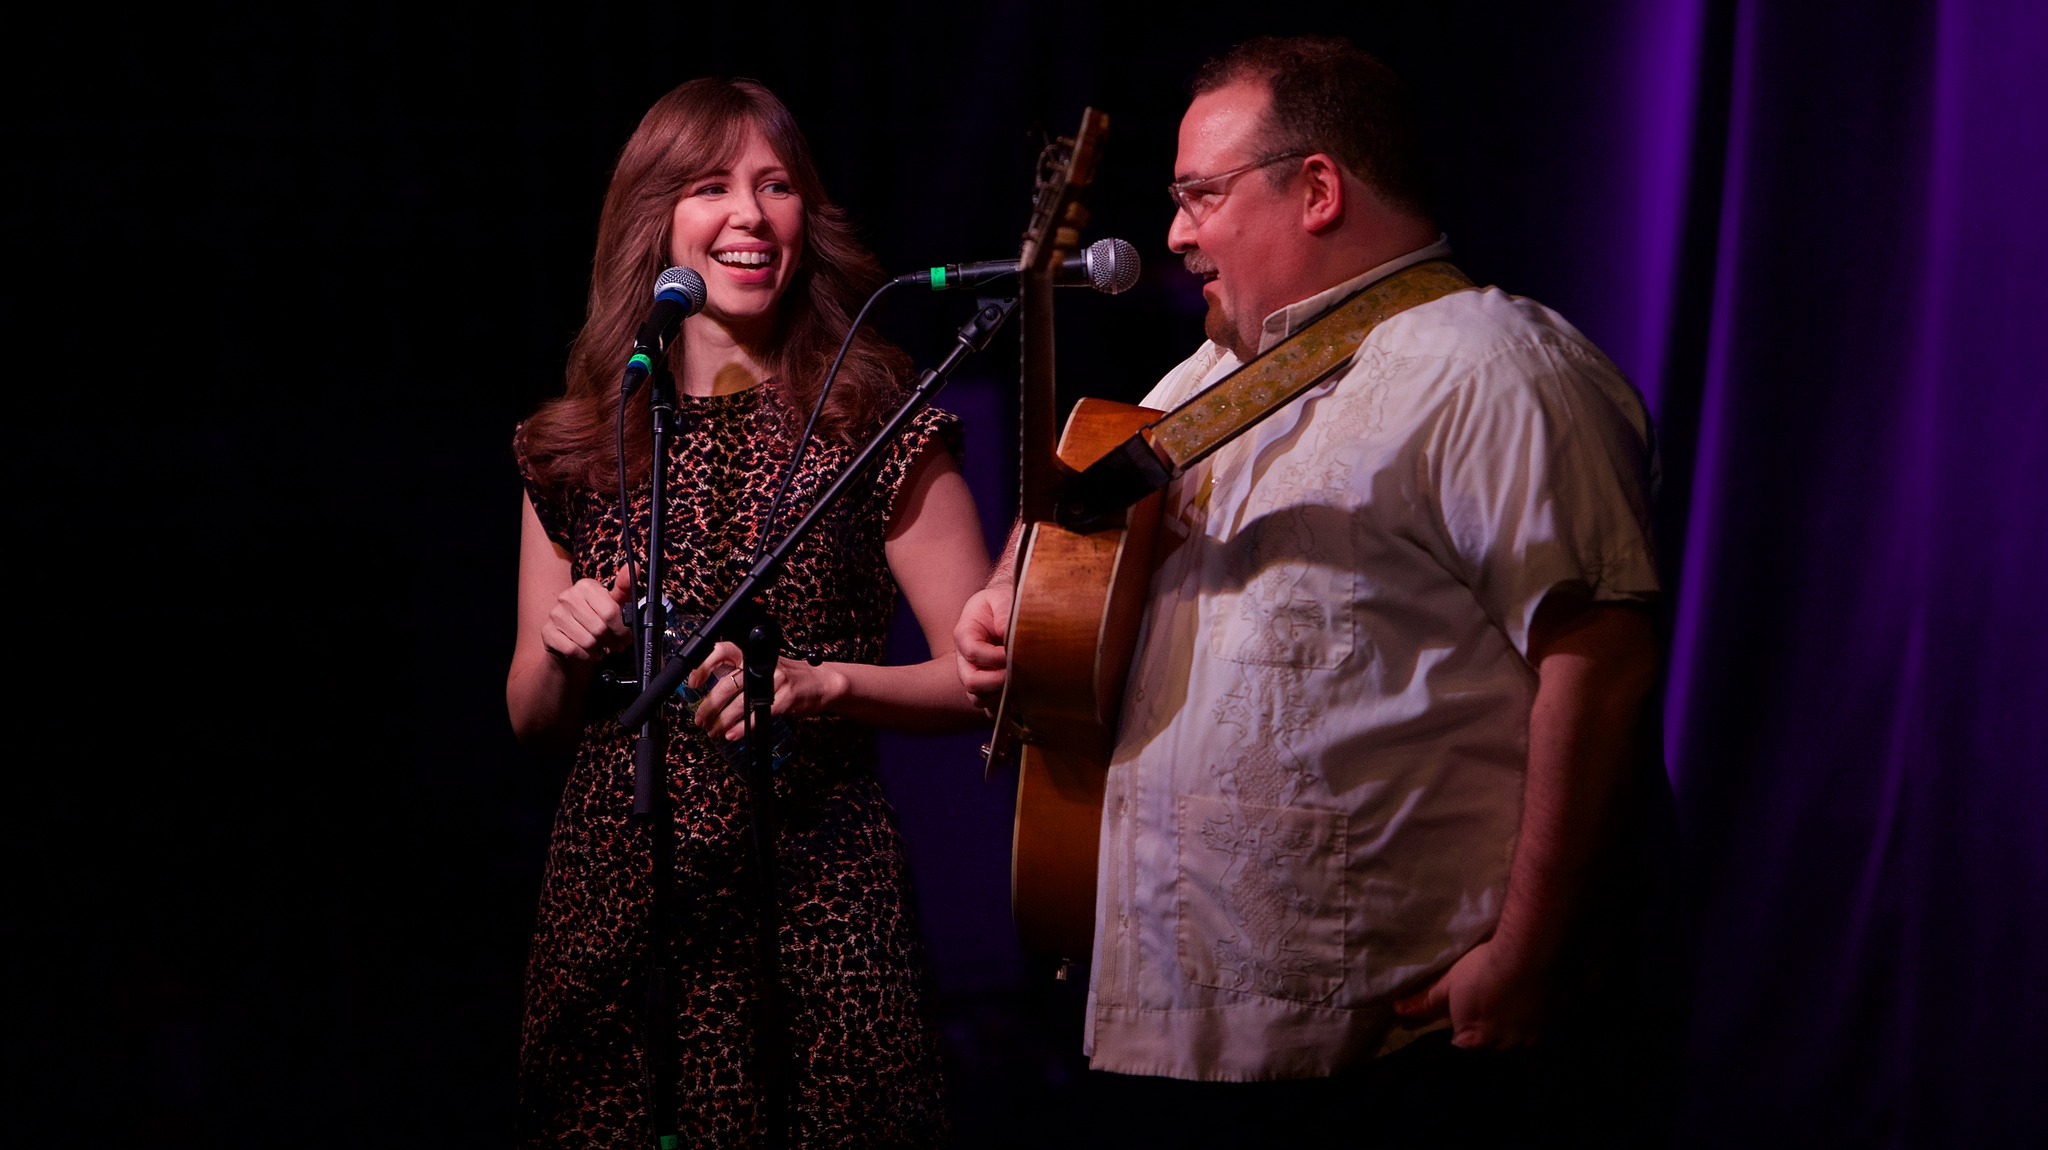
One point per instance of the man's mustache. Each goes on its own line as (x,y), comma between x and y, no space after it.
(1198,263)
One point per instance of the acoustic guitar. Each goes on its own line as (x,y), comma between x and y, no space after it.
(1078,595)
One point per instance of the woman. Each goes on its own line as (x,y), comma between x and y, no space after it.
(718,178)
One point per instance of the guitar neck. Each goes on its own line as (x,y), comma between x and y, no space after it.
(1066,170)
(1037,468)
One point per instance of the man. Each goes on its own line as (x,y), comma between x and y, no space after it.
(1397,657)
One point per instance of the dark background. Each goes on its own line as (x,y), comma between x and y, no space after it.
(280,281)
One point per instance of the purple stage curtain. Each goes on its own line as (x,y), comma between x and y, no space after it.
(1859,666)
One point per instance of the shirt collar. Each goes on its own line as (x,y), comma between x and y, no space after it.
(1295,316)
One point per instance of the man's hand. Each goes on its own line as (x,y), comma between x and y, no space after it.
(1596,666)
(978,651)
(1493,1003)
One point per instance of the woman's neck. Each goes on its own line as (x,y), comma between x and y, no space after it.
(716,361)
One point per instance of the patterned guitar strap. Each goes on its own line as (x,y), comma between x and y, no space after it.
(1168,446)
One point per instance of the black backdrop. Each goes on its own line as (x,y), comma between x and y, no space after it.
(281,280)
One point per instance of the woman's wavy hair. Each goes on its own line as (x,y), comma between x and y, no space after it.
(700,127)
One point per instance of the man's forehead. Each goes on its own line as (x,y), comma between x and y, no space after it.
(1221,125)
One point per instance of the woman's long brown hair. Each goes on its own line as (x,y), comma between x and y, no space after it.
(700,127)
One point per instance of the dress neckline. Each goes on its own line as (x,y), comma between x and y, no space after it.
(744,397)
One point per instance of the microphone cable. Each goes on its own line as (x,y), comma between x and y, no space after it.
(817,408)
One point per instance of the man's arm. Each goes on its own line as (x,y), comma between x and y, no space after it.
(1597,667)
(979,655)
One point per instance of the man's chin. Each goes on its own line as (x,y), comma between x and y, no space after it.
(1217,326)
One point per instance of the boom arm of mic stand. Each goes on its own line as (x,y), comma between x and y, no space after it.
(972,337)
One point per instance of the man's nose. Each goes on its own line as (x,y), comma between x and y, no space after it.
(1180,232)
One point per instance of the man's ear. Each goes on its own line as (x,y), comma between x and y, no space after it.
(1322,197)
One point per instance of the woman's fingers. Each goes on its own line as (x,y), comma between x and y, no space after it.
(724,705)
(585,623)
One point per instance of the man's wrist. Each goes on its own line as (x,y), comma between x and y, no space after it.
(1536,947)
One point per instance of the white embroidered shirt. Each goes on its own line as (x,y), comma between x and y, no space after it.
(1317,783)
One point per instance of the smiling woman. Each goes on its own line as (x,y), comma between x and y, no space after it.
(718,179)
(742,227)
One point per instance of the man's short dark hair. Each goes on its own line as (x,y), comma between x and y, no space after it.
(1328,96)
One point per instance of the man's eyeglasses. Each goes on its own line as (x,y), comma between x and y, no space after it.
(1184,192)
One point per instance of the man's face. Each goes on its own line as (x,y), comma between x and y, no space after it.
(1240,234)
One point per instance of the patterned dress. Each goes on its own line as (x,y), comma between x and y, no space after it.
(865,1058)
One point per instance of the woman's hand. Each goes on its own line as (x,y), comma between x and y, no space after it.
(588,620)
(800,689)
(566,628)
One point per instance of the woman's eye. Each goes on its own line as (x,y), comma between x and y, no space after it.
(710,189)
(778,188)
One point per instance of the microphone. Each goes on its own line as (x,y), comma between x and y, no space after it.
(678,295)
(1106,265)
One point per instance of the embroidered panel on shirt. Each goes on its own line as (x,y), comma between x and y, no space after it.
(1260,898)
(1293,607)
(1262,886)
(1286,584)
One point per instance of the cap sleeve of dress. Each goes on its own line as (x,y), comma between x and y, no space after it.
(926,428)
(544,504)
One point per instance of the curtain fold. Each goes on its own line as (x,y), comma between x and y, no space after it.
(1855,720)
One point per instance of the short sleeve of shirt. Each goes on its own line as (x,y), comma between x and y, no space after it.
(1542,467)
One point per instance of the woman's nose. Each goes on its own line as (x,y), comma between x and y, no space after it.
(746,210)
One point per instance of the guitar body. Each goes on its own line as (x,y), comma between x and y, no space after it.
(1073,629)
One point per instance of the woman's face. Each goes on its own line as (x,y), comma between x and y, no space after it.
(742,228)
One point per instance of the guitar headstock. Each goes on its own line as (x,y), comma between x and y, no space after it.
(1065,170)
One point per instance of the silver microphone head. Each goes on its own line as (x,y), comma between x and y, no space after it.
(1112,265)
(684,280)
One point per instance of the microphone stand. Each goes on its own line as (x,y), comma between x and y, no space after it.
(650,784)
(761,649)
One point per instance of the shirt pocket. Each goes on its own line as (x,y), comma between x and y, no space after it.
(1261,899)
(1284,590)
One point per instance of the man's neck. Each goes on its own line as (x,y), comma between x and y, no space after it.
(1371,236)
(1284,321)
(1378,237)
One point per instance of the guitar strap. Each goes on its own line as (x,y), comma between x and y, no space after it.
(1165,448)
